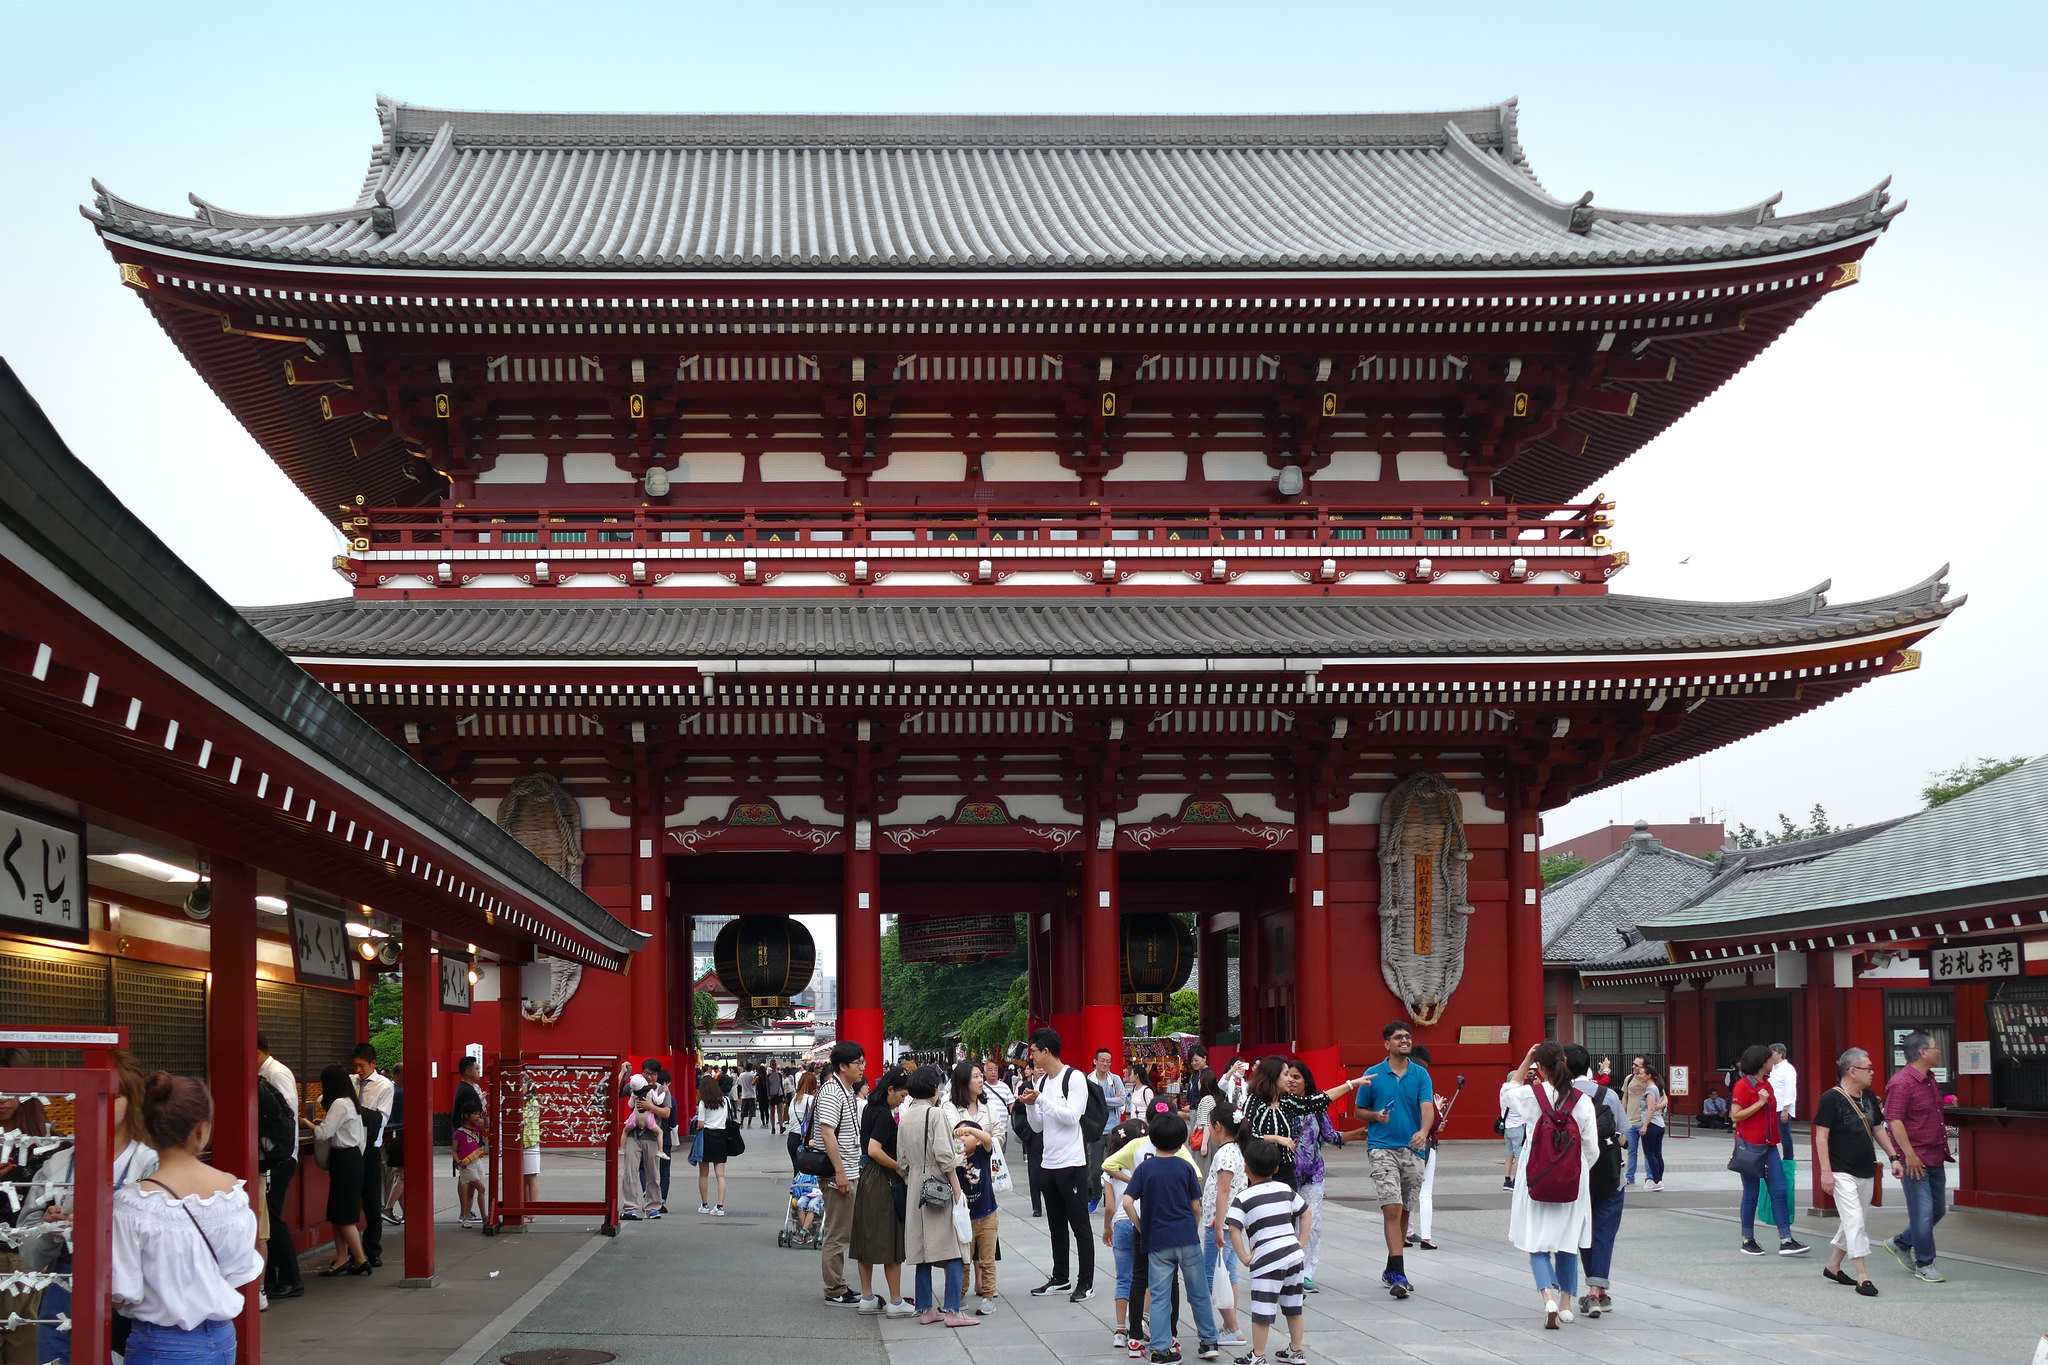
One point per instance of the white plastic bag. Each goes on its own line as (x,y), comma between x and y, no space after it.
(1222,1293)
(963,1226)
(999,1173)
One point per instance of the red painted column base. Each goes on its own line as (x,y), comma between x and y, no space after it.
(863,1025)
(1068,1027)
(1100,1026)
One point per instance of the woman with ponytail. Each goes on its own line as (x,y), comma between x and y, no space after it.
(184,1237)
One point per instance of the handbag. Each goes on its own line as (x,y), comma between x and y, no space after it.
(1751,1158)
(934,1193)
(322,1148)
(735,1145)
(813,1161)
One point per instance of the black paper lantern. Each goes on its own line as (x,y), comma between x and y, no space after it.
(1158,953)
(763,960)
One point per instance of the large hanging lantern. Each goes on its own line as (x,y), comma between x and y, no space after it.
(1158,953)
(764,960)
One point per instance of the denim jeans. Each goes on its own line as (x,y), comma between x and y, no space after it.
(956,1271)
(1557,1270)
(1926,1205)
(1211,1254)
(53,1347)
(1785,1136)
(210,1343)
(1781,1198)
(1187,1260)
(1653,1153)
(1124,1237)
(1635,1142)
(1606,1224)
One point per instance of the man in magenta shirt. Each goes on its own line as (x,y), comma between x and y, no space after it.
(1912,1106)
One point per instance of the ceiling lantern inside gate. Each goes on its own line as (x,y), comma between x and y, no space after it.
(1158,956)
(764,961)
(1423,907)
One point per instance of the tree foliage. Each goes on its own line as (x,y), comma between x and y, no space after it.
(387,1019)
(993,1027)
(1558,866)
(1183,1015)
(705,1006)
(1787,832)
(924,1001)
(1946,786)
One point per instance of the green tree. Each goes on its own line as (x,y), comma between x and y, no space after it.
(1943,787)
(924,1001)
(993,1027)
(387,1019)
(1558,866)
(1787,832)
(706,1006)
(1183,1015)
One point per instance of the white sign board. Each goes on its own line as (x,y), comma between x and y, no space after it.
(1681,1080)
(1975,962)
(454,983)
(1973,1059)
(42,874)
(320,947)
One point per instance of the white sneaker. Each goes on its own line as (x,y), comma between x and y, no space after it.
(718,1212)
(902,1308)
(703,1208)
(263,1302)
(984,1308)
(870,1304)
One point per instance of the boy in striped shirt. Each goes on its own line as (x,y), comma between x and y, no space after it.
(1263,1219)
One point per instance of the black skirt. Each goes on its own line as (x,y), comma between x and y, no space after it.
(714,1147)
(344,1186)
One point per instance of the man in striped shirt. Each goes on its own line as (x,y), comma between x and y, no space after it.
(835,1121)
(1263,1219)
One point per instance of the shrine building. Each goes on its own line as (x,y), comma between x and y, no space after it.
(1073,518)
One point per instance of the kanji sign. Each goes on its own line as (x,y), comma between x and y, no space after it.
(320,947)
(1976,962)
(454,982)
(42,874)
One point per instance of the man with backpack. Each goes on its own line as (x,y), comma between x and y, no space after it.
(1605,1181)
(277,1146)
(1063,1105)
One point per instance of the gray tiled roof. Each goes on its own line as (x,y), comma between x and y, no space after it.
(626,192)
(1590,917)
(1076,628)
(1985,847)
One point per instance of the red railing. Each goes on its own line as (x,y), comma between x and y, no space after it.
(572,530)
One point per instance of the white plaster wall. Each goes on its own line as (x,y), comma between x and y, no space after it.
(592,466)
(795,467)
(1150,466)
(709,467)
(923,466)
(1240,465)
(1025,466)
(519,468)
(598,814)
(1351,466)
(1426,465)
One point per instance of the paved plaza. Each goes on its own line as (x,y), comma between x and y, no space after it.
(702,1290)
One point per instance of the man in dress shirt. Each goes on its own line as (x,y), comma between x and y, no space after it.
(282,1281)
(373,1096)
(1784,1079)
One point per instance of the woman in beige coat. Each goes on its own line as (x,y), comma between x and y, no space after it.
(926,1147)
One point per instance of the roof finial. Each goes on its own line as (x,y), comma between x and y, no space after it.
(1582,214)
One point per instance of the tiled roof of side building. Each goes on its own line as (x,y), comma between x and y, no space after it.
(1984,848)
(636,192)
(1590,917)
(1077,628)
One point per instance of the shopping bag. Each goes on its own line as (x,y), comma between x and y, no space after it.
(999,1173)
(1222,1293)
(963,1226)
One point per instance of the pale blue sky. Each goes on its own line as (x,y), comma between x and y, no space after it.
(1895,429)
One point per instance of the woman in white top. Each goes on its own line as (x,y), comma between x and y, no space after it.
(1551,1233)
(184,1238)
(714,1114)
(1139,1094)
(342,1127)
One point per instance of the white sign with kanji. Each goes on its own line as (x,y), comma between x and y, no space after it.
(42,875)
(1975,962)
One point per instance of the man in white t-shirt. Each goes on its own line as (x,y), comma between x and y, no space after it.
(282,1279)
(1784,1079)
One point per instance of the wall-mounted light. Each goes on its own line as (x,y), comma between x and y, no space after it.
(147,866)
(473,977)
(277,905)
(368,950)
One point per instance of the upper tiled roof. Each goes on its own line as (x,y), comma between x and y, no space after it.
(625,192)
(1590,917)
(1075,628)
(1985,847)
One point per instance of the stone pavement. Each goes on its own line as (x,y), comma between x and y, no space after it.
(698,1289)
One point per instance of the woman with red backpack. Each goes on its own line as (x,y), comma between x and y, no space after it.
(1553,1210)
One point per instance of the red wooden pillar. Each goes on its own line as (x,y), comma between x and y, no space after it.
(1708,1071)
(422,1009)
(1212,978)
(1065,960)
(682,1009)
(231,1053)
(512,1178)
(1102,1014)
(1251,983)
(1823,1043)
(647,974)
(1315,1012)
(1037,970)
(1525,922)
(860,954)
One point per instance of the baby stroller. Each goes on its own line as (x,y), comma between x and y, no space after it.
(805,1196)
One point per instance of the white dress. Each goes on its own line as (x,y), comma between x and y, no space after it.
(1551,1227)
(163,1269)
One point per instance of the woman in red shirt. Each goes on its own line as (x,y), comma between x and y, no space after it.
(1755,1111)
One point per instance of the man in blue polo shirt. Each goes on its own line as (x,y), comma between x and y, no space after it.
(1396,1099)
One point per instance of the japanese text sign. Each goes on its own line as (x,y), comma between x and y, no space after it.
(42,874)
(1975,962)
(320,946)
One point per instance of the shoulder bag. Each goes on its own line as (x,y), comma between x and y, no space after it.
(1752,1159)
(1876,1147)
(934,1193)
(814,1161)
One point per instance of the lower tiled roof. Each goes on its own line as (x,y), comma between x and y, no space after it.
(1078,628)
